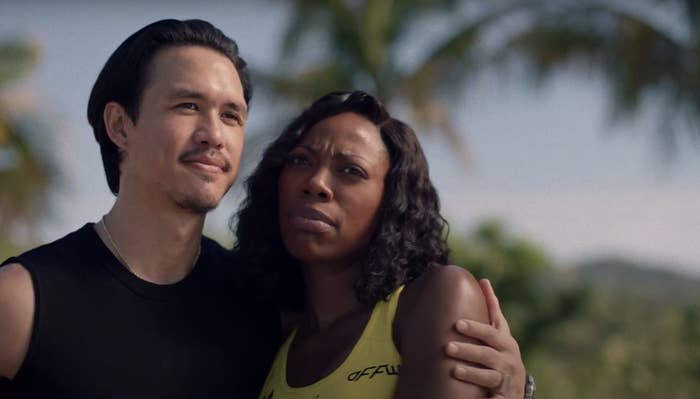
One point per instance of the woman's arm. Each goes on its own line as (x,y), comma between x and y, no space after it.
(499,364)
(425,321)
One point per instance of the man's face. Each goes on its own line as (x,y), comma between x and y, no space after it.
(186,143)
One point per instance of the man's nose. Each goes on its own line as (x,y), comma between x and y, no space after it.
(209,130)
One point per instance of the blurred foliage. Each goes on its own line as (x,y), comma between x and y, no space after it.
(25,170)
(342,45)
(361,51)
(521,274)
(591,332)
(643,60)
(622,347)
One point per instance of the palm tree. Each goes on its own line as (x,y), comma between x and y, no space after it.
(24,170)
(644,62)
(356,44)
(361,51)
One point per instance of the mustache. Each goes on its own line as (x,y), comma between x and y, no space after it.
(208,153)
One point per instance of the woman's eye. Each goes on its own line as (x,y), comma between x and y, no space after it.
(297,160)
(354,171)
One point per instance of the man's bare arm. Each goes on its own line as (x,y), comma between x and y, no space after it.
(16,317)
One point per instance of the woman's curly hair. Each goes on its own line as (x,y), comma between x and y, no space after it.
(411,233)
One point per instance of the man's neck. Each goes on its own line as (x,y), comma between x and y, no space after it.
(157,244)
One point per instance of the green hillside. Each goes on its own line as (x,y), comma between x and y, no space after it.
(608,328)
(645,280)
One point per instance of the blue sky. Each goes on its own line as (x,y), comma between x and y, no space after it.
(546,160)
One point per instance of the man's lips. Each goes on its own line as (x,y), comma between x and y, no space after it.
(207,161)
(311,220)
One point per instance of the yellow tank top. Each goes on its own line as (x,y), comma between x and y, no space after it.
(371,369)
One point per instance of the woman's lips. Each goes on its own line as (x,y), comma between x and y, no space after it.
(310,225)
(311,220)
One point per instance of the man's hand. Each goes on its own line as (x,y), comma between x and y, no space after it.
(499,366)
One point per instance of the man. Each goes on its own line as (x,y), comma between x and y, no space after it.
(139,304)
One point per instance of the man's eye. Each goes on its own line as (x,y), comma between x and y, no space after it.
(191,106)
(231,116)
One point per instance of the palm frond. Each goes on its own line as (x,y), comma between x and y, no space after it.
(17,59)
(443,71)
(633,55)
(435,114)
(24,177)
(26,171)
(302,19)
(309,84)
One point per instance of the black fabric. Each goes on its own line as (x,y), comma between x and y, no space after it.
(4,387)
(101,332)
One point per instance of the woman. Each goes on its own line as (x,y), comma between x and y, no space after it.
(342,227)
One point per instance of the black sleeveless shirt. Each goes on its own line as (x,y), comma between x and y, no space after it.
(101,332)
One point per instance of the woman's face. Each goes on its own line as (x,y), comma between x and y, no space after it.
(331,188)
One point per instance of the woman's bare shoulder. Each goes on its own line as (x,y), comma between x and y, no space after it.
(448,286)
(424,324)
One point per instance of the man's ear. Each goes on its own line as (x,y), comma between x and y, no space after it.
(118,124)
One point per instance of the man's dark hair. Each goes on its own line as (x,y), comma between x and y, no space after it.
(410,236)
(126,74)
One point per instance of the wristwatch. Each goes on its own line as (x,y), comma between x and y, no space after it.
(529,387)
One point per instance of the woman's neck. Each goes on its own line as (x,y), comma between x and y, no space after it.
(330,294)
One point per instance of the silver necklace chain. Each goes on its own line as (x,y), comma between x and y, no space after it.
(120,257)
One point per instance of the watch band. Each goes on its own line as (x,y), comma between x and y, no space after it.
(530,387)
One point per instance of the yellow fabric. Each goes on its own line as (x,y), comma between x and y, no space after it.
(370,370)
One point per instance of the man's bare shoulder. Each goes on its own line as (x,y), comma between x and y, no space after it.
(16,317)
(15,285)
(13,272)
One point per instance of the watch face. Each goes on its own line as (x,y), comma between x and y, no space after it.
(530,387)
